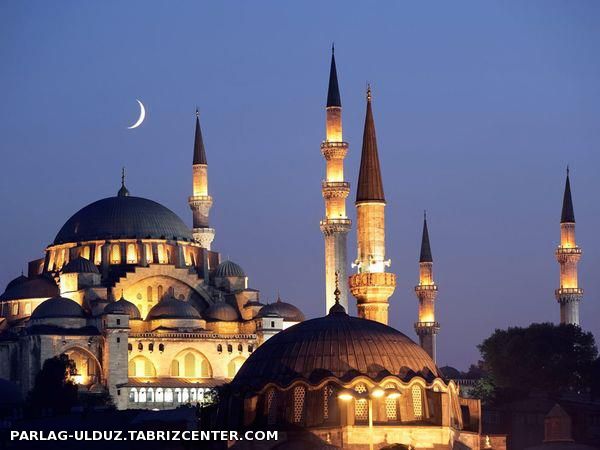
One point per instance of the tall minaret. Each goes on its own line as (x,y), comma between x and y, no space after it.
(371,285)
(567,254)
(426,328)
(335,225)
(200,202)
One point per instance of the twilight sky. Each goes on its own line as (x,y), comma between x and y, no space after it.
(479,106)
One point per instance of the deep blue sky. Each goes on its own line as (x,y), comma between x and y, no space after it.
(479,106)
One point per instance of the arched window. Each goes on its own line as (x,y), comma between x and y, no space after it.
(192,395)
(142,396)
(115,254)
(240,348)
(190,365)
(85,252)
(250,348)
(149,255)
(168,395)
(174,368)
(299,394)
(161,347)
(141,367)
(51,261)
(230,348)
(417,401)
(129,347)
(361,406)
(140,346)
(15,311)
(171,291)
(132,256)
(234,365)
(27,309)
(271,407)
(151,347)
(160,292)
(162,254)
(149,293)
(159,395)
(219,348)
(133,396)
(98,254)
(391,406)
(185,395)
(150,395)
(178,395)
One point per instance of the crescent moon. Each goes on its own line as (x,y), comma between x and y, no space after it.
(141,118)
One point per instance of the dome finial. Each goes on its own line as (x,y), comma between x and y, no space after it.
(123,192)
(369,96)
(337,308)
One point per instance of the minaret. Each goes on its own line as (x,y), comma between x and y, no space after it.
(426,328)
(335,225)
(200,202)
(371,285)
(567,254)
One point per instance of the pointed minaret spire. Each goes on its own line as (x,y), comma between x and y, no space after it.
(426,327)
(333,93)
(335,190)
(372,285)
(199,152)
(370,184)
(568,215)
(200,202)
(425,246)
(568,253)
(123,192)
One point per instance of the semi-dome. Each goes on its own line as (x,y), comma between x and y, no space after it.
(123,306)
(80,265)
(338,346)
(56,307)
(229,269)
(171,308)
(221,311)
(289,312)
(123,217)
(38,287)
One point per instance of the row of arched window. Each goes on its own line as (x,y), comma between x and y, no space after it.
(167,395)
(240,348)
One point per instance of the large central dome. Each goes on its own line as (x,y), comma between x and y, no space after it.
(336,345)
(123,217)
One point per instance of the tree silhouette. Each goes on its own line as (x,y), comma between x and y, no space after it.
(53,390)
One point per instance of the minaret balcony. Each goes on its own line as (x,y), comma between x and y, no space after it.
(335,189)
(568,251)
(427,327)
(568,291)
(334,150)
(332,226)
(426,287)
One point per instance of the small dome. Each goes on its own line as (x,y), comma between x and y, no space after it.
(171,308)
(38,287)
(123,307)
(17,281)
(289,312)
(222,312)
(229,269)
(338,346)
(57,307)
(80,265)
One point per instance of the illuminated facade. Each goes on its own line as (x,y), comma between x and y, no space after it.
(371,285)
(140,303)
(336,224)
(426,327)
(568,253)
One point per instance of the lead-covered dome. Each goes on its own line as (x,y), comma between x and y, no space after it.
(222,312)
(171,308)
(80,265)
(123,217)
(338,346)
(58,307)
(289,312)
(123,306)
(37,287)
(229,269)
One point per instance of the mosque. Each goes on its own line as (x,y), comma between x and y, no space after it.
(151,314)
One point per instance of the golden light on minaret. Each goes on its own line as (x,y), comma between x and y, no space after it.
(371,285)
(335,190)
(200,202)
(568,254)
(426,327)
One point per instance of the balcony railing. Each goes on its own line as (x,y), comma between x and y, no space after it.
(341,185)
(426,287)
(567,291)
(423,325)
(568,251)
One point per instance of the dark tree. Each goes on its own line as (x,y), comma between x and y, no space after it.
(543,357)
(450,372)
(53,390)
